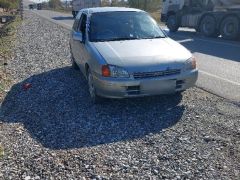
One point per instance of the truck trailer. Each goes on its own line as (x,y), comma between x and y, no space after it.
(209,17)
(77,5)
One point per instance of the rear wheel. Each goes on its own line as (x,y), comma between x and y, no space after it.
(208,26)
(172,23)
(91,88)
(230,28)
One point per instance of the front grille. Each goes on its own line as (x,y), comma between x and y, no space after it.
(144,75)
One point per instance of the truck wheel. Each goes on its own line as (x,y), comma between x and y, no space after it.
(172,23)
(208,26)
(230,28)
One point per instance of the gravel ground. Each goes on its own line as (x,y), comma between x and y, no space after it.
(52,131)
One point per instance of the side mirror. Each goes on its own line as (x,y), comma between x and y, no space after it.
(77,36)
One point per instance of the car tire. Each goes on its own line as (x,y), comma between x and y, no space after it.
(172,23)
(74,64)
(95,99)
(230,28)
(208,26)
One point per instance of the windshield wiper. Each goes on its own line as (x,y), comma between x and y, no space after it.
(114,39)
(122,39)
(128,38)
(156,37)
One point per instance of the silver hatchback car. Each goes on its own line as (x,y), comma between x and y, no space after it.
(124,53)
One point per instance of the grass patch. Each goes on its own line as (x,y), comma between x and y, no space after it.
(1,151)
(7,42)
(7,37)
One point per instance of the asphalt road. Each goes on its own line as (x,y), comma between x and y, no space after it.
(218,60)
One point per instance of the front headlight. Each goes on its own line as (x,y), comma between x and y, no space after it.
(190,64)
(114,71)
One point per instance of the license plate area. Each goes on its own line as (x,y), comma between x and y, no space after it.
(158,87)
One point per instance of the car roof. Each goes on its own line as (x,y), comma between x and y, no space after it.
(109,9)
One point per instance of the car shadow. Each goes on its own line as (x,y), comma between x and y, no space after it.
(60,18)
(217,47)
(56,110)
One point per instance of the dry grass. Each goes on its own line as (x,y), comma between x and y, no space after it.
(7,42)
(7,36)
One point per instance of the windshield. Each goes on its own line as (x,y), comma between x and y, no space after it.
(112,26)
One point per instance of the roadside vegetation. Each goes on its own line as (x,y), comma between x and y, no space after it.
(7,41)
(8,5)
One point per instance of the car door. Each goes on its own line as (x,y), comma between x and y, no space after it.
(73,40)
(78,45)
(84,45)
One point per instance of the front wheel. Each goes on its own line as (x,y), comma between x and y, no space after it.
(172,23)
(91,88)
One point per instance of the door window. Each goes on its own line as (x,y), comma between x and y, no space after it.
(82,24)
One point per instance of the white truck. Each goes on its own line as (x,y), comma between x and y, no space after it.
(77,5)
(209,17)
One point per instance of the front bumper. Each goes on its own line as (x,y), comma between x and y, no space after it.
(124,88)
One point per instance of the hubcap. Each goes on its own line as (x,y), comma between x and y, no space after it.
(229,29)
(207,27)
(172,22)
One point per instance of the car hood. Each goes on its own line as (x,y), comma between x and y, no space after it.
(150,54)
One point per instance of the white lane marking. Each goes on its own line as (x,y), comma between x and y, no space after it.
(185,40)
(217,77)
